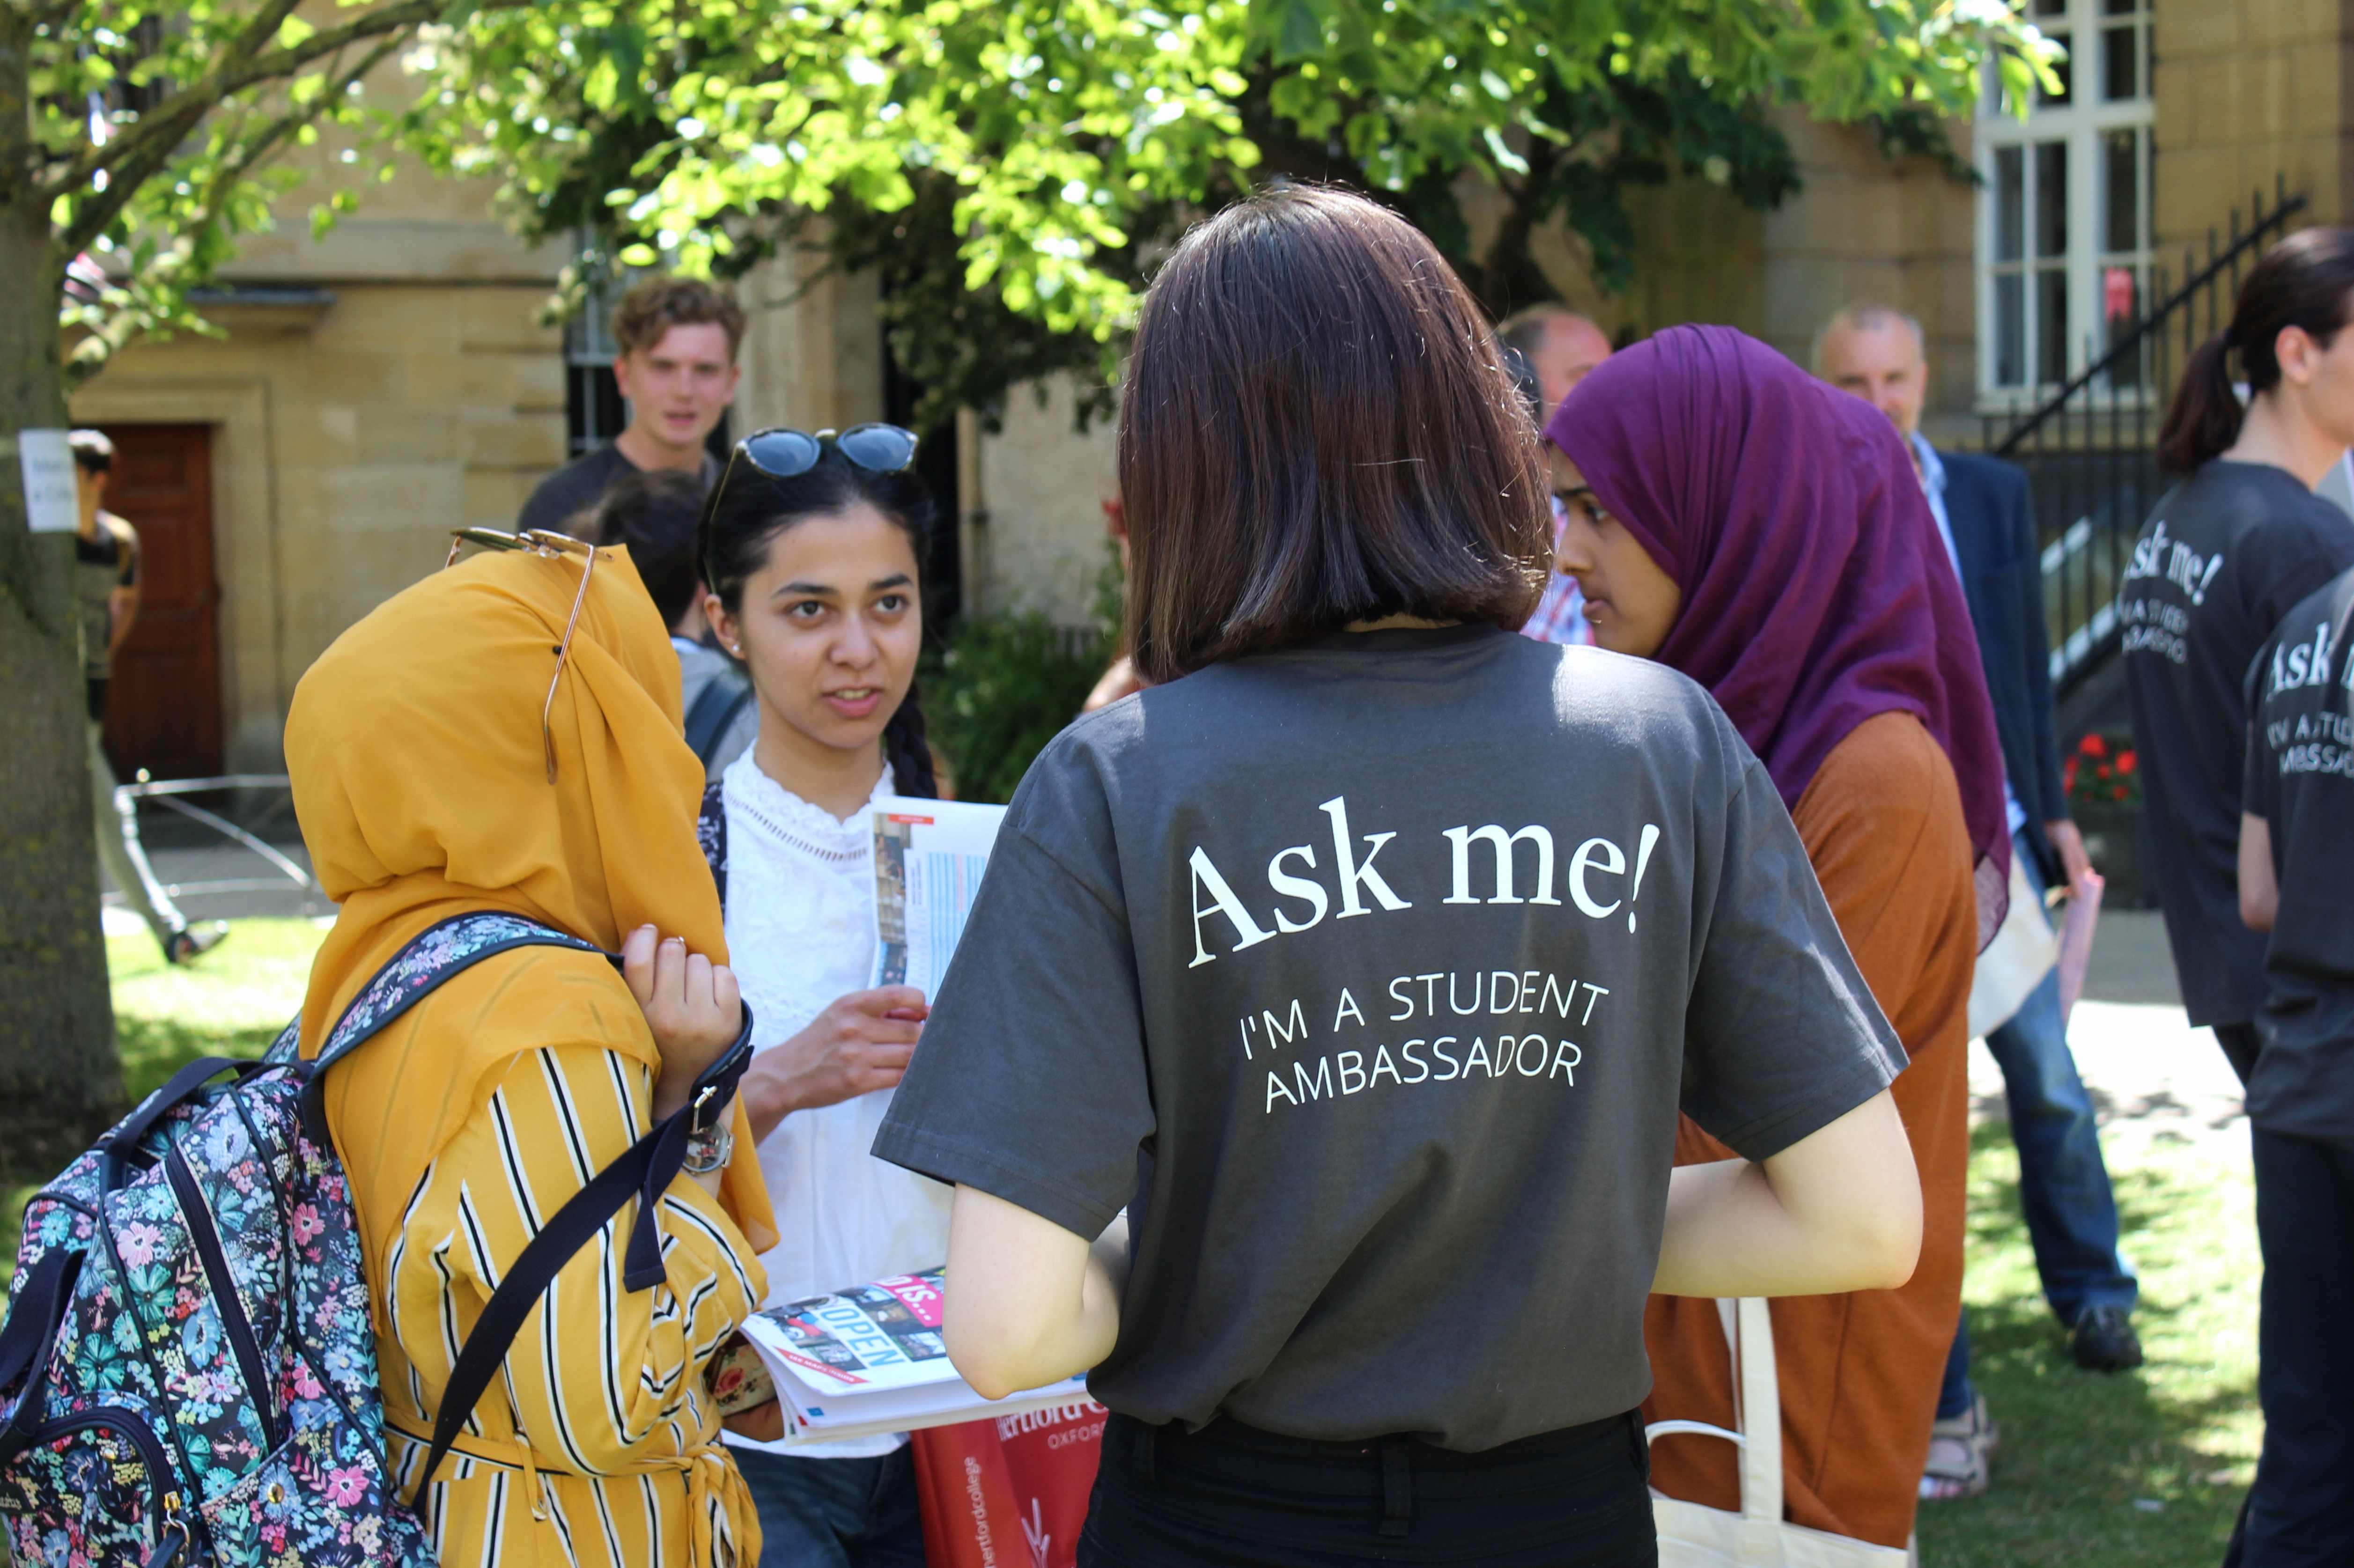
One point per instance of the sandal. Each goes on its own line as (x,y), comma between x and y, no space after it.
(1959,1455)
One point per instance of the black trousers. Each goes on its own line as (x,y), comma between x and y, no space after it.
(1236,1497)
(2300,1513)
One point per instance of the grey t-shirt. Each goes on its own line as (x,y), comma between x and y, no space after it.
(1370,975)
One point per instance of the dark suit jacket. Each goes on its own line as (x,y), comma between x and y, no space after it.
(1993,517)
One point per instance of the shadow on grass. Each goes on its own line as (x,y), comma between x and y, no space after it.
(155,1048)
(2093,1468)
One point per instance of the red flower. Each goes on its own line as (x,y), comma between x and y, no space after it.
(2068,777)
(2125,760)
(2094,745)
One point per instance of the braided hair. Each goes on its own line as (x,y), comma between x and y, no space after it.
(744,517)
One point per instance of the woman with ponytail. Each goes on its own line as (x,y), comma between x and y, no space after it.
(812,548)
(2224,555)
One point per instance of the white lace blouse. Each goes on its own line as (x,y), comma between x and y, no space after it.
(800,917)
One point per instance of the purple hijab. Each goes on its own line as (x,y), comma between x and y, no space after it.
(1816,592)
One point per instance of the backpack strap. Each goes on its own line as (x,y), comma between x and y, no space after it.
(28,1339)
(646,1171)
(711,833)
(438,953)
(713,713)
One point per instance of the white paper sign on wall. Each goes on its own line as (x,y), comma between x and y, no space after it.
(48,466)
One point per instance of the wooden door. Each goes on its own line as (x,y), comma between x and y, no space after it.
(164,710)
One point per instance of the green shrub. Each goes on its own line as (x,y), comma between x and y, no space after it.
(1004,687)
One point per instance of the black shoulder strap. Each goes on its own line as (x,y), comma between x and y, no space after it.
(646,1171)
(711,832)
(715,707)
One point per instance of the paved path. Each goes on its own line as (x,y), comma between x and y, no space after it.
(2152,1075)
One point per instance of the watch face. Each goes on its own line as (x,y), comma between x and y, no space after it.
(706,1154)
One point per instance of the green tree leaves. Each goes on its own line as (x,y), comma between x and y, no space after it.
(1043,148)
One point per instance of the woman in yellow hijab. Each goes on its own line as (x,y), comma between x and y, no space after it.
(424,789)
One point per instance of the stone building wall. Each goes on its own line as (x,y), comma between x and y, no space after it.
(2246,91)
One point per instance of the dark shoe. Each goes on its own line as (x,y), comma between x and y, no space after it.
(2103,1340)
(194,941)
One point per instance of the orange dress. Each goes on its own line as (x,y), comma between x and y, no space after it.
(1883,823)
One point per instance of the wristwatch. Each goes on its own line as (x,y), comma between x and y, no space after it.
(709,1150)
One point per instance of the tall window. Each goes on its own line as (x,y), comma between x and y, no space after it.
(594,411)
(2064,217)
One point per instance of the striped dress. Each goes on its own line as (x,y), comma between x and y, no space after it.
(599,1446)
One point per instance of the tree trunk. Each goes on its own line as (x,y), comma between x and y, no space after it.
(60,1078)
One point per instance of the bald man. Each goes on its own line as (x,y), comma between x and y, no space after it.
(1986,512)
(1559,346)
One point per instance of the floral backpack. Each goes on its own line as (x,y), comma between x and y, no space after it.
(187,1369)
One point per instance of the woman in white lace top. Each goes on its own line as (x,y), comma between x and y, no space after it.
(812,547)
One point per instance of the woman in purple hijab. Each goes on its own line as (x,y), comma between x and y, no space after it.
(1764,533)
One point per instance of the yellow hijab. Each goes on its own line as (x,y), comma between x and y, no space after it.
(422,788)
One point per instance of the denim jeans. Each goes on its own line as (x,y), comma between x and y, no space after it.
(835,1513)
(2063,1184)
(2300,1513)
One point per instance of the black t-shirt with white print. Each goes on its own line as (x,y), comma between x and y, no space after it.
(2222,557)
(1370,975)
(2300,779)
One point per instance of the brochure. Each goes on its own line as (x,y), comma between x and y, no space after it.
(929,857)
(870,1360)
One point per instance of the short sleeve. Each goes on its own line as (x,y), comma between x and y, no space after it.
(1781,1036)
(1031,1082)
(2298,562)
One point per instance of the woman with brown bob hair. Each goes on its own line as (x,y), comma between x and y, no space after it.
(1366,967)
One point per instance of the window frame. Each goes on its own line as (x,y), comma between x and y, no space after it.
(2081,127)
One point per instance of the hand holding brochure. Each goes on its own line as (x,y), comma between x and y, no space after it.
(929,857)
(870,1359)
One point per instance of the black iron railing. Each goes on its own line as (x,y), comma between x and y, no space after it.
(2089,447)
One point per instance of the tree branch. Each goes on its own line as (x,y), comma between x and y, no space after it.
(250,151)
(172,119)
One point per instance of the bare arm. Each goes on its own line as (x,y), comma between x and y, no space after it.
(859,1044)
(1028,1301)
(1839,1210)
(122,604)
(2259,888)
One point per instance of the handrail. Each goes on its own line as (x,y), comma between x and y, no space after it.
(2088,447)
(163,790)
(2262,223)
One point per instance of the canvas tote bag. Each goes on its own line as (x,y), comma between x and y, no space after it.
(1692,1536)
(2023,950)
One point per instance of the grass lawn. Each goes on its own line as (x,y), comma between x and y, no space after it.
(2143,1467)
(2146,1467)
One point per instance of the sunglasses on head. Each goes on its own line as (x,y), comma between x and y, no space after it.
(782,453)
(555,546)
